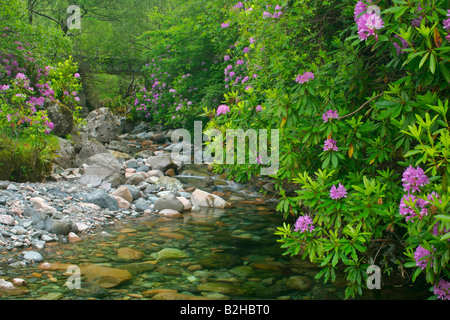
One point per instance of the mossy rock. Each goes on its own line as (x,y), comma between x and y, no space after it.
(62,118)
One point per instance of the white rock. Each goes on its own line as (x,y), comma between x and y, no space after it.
(33,255)
(186,203)
(18,281)
(6,284)
(82,226)
(7,219)
(169,213)
(202,199)
(40,204)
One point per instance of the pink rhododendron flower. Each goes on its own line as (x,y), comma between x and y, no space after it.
(330,114)
(222,109)
(419,254)
(338,193)
(330,144)
(306,77)
(304,224)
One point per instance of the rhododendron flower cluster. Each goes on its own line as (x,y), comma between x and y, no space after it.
(442,290)
(413,179)
(419,257)
(330,144)
(447,25)
(304,224)
(306,77)
(330,114)
(367,22)
(338,193)
(222,109)
(277,14)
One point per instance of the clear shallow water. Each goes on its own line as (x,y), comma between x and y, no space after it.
(226,254)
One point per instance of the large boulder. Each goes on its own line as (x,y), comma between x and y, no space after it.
(65,156)
(90,148)
(61,116)
(103,170)
(101,125)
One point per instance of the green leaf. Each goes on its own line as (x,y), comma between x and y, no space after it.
(442,217)
(416,274)
(445,236)
(425,57)
(432,64)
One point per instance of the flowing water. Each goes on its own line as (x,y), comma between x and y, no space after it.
(216,254)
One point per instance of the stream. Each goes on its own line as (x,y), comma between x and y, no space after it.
(219,254)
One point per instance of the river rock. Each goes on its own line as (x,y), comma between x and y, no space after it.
(60,226)
(158,137)
(141,205)
(122,203)
(124,193)
(169,213)
(135,179)
(139,267)
(161,162)
(168,201)
(73,238)
(102,199)
(7,219)
(169,184)
(33,256)
(135,191)
(41,205)
(130,253)
(102,169)
(300,283)
(221,287)
(186,203)
(202,199)
(105,277)
(171,254)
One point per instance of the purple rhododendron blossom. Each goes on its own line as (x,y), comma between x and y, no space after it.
(413,178)
(419,254)
(304,224)
(442,290)
(307,76)
(338,193)
(330,144)
(222,109)
(330,114)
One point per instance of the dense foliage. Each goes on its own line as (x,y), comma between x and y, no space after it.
(360,96)
(32,74)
